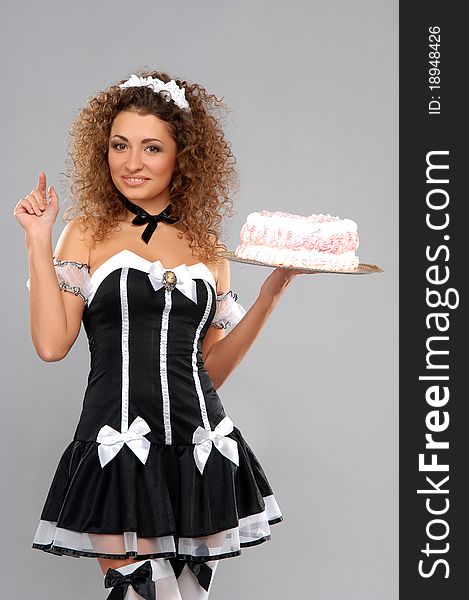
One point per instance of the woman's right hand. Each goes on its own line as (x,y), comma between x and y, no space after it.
(33,213)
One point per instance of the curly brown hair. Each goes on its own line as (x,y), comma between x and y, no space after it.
(204,173)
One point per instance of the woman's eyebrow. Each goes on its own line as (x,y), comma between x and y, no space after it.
(144,141)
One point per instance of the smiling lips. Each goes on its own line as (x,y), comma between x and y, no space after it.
(133,181)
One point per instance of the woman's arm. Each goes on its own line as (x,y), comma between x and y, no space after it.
(54,316)
(224,355)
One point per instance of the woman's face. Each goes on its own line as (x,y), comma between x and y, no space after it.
(141,146)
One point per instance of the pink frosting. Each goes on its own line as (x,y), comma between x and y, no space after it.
(309,245)
(286,238)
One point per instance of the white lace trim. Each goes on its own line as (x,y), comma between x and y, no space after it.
(72,276)
(195,370)
(228,311)
(125,351)
(163,367)
(251,530)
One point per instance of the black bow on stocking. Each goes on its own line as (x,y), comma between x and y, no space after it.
(140,580)
(144,217)
(201,570)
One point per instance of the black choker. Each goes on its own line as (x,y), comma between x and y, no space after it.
(144,217)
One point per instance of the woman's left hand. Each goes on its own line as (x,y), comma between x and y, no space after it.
(276,283)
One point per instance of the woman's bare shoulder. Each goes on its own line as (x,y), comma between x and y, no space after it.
(75,241)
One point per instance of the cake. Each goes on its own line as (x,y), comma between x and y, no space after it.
(289,240)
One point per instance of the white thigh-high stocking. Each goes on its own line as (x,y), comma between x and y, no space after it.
(195,579)
(151,579)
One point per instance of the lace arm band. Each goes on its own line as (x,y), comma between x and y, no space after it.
(228,311)
(72,276)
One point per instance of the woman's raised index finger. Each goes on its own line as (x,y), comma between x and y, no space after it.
(41,184)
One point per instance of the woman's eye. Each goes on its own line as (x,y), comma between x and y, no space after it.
(155,149)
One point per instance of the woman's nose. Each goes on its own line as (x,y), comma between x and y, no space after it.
(134,160)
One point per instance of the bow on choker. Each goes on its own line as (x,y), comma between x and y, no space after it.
(144,217)
(140,579)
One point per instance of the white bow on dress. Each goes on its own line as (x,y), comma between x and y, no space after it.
(184,281)
(205,438)
(111,441)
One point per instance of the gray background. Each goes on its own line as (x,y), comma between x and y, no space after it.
(314,89)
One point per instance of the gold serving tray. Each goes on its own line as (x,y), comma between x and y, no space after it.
(362,269)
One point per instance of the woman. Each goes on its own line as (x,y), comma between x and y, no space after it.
(158,484)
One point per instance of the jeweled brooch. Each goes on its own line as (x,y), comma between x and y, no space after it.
(169,280)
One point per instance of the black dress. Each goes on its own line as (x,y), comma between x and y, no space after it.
(156,468)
